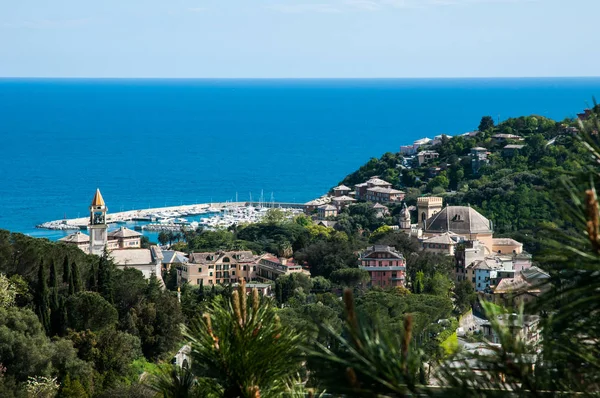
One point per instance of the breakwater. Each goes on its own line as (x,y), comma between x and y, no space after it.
(155,214)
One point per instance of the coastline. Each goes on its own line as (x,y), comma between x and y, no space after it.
(147,214)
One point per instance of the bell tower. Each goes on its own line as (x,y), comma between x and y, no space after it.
(405,219)
(427,207)
(97,227)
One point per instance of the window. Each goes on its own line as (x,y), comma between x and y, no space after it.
(232,273)
(244,268)
(210,282)
(218,275)
(218,267)
(197,281)
(211,266)
(210,274)
(226,260)
(225,267)
(254,268)
(199,270)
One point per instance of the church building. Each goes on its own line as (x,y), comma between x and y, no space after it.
(123,244)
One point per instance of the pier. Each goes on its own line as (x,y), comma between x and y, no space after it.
(149,214)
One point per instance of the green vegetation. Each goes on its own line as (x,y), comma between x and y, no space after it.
(514,191)
(78,319)
(74,325)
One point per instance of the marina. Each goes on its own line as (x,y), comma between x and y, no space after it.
(183,217)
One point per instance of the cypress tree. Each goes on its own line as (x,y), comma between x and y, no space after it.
(105,278)
(66,271)
(213,292)
(55,312)
(53,276)
(75,281)
(43,310)
(64,320)
(200,294)
(93,279)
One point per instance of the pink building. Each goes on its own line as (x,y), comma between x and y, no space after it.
(385,265)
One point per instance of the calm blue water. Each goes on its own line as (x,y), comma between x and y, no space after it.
(166,142)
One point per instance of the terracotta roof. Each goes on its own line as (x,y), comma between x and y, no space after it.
(132,257)
(326,223)
(384,190)
(98,199)
(507,285)
(77,237)
(506,242)
(461,220)
(486,264)
(124,232)
(274,259)
(447,238)
(343,198)
(534,273)
(390,250)
(341,188)
(377,181)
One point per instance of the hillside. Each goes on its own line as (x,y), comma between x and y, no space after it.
(510,185)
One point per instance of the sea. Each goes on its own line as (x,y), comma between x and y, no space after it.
(164,142)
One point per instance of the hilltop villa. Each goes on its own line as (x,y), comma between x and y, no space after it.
(223,267)
(377,190)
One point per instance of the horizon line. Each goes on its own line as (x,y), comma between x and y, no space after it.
(292,78)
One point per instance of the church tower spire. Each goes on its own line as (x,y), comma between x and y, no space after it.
(97,227)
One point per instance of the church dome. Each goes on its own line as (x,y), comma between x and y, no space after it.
(458,219)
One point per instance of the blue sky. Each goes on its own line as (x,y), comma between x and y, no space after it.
(299,38)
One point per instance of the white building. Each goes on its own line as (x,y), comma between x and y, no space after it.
(148,261)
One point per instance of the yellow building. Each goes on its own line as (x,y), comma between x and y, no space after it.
(327,211)
(427,207)
(219,267)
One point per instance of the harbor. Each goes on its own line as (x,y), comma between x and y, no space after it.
(177,218)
